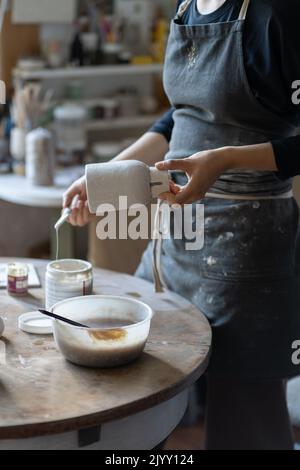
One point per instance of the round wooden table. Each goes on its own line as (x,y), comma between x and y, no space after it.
(47,402)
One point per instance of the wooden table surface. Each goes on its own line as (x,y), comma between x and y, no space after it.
(41,393)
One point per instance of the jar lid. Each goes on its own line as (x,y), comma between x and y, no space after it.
(17,269)
(70,111)
(36,323)
(67,269)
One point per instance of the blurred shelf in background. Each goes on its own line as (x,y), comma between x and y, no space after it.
(88,72)
(122,123)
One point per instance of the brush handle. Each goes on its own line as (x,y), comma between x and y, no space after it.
(65,320)
(63,218)
(66,213)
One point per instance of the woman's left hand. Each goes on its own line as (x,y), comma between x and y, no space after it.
(202,169)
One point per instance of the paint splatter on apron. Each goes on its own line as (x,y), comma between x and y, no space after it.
(244,279)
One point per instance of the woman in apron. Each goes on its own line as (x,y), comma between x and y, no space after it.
(244,278)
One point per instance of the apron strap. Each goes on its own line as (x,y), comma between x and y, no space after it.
(186,3)
(244,9)
(158,233)
(183,8)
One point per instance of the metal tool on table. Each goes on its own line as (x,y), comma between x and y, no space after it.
(63,319)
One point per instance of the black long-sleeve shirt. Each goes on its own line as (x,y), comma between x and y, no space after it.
(272,61)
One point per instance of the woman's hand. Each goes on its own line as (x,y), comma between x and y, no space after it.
(80,212)
(202,169)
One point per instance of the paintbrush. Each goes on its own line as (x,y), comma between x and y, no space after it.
(65,320)
(66,213)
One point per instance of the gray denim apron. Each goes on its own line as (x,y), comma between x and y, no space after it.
(244,278)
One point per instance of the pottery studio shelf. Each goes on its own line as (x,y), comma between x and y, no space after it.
(104,71)
(86,72)
(122,123)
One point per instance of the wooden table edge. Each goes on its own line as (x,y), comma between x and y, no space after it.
(23,431)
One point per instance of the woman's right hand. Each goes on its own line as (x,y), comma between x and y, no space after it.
(81,215)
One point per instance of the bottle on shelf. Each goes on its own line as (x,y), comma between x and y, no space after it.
(76,50)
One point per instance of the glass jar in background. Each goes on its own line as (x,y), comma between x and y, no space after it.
(128,102)
(70,130)
(74,90)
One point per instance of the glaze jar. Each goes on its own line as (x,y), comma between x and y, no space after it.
(17,279)
(67,278)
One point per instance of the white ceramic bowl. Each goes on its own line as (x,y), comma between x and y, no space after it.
(109,346)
